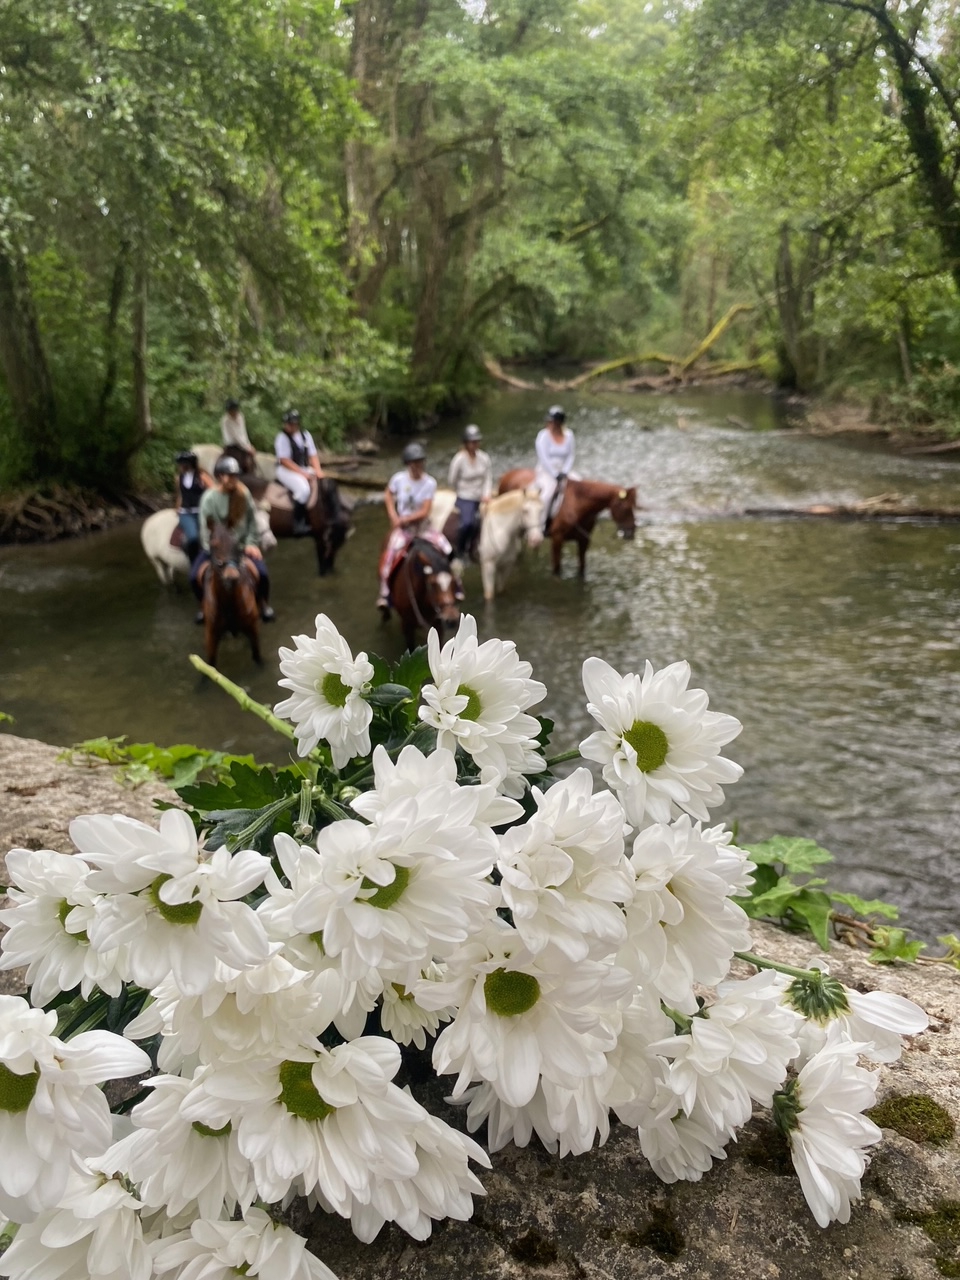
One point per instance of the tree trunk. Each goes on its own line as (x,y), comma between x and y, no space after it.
(24,366)
(141,389)
(795,303)
(117,286)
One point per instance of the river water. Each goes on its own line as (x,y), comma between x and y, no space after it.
(836,644)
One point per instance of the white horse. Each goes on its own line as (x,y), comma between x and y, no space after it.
(207,455)
(157,530)
(510,520)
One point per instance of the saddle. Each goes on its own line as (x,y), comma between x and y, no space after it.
(555,502)
(177,539)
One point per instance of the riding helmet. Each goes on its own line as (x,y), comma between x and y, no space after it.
(226,466)
(231,405)
(414,452)
(186,455)
(292,415)
(557,413)
(471,434)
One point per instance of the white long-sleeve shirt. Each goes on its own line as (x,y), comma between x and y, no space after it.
(233,430)
(471,478)
(555,458)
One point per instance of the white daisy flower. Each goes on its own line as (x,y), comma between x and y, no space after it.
(876,1019)
(682,924)
(51,1103)
(821,1114)
(263,1012)
(517,1020)
(396,895)
(413,773)
(257,1246)
(736,1052)
(181,1164)
(567,1120)
(658,743)
(478,702)
(680,1148)
(47,927)
(172,906)
(406,1021)
(564,871)
(635,1073)
(94,1233)
(327,701)
(330,1121)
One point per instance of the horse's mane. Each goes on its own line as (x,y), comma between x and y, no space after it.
(238,506)
(430,554)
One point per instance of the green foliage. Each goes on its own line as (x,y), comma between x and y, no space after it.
(811,905)
(891,944)
(916,1116)
(181,765)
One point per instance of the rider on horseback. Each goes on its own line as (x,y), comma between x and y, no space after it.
(408,499)
(556,448)
(191,486)
(296,459)
(229,502)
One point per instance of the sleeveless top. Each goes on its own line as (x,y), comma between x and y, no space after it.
(191,491)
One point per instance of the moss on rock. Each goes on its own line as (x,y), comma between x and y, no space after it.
(915,1116)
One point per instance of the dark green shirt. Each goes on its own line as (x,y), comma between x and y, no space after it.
(215,505)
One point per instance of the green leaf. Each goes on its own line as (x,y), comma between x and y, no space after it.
(866,907)
(109,749)
(413,670)
(381,670)
(389,695)
(546,729)
(248,788)
(776,901)
(952,944)
(794,853)
(814,909)
(891,944)
(6,718)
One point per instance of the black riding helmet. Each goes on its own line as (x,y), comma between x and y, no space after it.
(186,456)
(414,452)
(557,413)
(292,415)
(231,405)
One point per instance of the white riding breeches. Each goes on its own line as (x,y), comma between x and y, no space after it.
(298,485)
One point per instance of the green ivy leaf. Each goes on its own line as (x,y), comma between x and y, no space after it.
(546,729)
(814,909)
(413,670)
(389,695)
(952,944)
(865,906)
(891,944)
(248,788)
(777,900)
(793,853)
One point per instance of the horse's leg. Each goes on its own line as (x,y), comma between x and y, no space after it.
(211,633)
(488,573)
(582,544)
(556,550)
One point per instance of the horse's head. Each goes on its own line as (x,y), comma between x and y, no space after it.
(440,591)
(224,554)
(623,510)
(531,518)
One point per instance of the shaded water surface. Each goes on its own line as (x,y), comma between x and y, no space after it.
(836,644)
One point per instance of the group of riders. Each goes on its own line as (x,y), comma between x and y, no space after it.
(203,500)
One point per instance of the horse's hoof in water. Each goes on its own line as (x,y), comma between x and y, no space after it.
(267,614)
(198,618)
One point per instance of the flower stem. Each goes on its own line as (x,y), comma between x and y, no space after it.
(563,757)
(760,963)
(243,699)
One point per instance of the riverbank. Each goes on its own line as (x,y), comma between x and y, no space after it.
(605,1216)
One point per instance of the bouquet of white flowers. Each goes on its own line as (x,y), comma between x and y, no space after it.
(418,882)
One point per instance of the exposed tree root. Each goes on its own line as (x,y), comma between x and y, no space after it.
(61,511)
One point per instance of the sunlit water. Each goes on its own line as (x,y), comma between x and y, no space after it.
(836,644)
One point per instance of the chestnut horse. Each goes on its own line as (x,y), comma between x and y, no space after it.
(582,502)
(422,591)
(229,595)
(328,516)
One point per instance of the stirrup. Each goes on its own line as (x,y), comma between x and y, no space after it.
(383,604)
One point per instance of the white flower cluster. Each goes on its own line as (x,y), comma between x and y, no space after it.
(563,962)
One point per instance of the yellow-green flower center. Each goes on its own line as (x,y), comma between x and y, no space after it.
(177,912)
(649,742)
(333,689)
(299,1094)
(387,894)
(508,993)
(474,706)
(16,1092)
(62,912)
(317,937)
(206,1132)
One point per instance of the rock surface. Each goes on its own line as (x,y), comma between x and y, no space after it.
(605,1216)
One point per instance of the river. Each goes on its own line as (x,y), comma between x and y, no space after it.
(837,644)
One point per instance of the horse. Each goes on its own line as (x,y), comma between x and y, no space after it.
(328,515)
(582,502)
(422,591)
(207,455)
(229,595)
(510,520)
(162,542)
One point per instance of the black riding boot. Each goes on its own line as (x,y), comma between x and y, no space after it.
(263,596)
(301,521)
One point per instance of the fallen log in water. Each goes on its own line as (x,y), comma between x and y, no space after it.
(857,511)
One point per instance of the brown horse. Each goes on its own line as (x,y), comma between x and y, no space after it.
(328,515)
(422,591)
(582,502)
(229,595)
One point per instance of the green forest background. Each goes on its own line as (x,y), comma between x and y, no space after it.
(351,206)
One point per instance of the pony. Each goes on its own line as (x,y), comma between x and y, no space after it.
(162,542)
(229,595)
(422,591)
(510,520)
(582,502)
